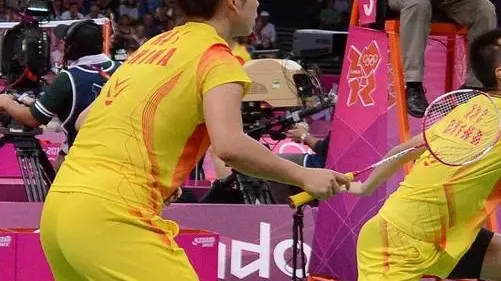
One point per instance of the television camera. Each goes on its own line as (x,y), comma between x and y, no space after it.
(25,60)
(280,95)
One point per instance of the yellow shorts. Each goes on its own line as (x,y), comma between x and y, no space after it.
(85,237)
(386,253)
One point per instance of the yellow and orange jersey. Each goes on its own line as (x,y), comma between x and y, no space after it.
(446,205)
(145,132)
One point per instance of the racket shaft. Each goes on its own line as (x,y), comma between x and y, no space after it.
(304,197)
(390,158)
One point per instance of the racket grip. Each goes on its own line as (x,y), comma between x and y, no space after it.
(304,197)
(300,199)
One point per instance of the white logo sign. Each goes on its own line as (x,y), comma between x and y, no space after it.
(205,242)
(369,9)
(5,241)
(265,252)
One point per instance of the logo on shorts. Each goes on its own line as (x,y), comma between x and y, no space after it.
(5,241)
(362,74)
(206,242)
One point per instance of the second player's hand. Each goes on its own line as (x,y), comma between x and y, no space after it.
(323,183)
(358,188)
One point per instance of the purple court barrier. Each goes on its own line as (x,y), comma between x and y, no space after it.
(254,240)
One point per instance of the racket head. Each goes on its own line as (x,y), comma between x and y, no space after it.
(461,127)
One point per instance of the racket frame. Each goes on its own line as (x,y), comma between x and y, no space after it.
(442,97)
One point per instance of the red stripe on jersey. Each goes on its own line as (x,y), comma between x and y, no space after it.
(148,125)
(195,147)
(216,55)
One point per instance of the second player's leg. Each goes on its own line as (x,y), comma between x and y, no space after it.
(385,253)
(492,261)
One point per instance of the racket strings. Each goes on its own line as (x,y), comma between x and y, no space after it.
(440,108)
(461,127)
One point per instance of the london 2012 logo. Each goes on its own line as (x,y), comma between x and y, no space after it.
(362,74)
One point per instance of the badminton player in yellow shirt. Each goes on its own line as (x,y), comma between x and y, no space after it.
(154,119)
(432,225)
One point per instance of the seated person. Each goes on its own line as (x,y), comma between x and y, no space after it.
(301,135)
(415,17)
(264,30)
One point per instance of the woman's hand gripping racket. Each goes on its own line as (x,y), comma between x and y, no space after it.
(458,128)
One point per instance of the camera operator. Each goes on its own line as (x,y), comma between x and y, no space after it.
(85,70)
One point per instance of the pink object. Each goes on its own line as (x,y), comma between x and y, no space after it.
(364,79)
(7,256)
(362,135)
(51,149)
(367,10)
(9,166)
(328,80)
(22,258)
(202,250)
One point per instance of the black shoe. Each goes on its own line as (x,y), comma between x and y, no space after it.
(416,101)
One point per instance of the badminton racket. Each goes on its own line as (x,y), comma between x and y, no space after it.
(458,128)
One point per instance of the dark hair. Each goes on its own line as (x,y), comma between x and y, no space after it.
(122,42)
(485,57)
(205,9)
(87,41)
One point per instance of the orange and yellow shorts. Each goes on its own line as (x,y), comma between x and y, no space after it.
(86,237)
(387,253)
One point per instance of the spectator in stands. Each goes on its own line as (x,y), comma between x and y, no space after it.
(67,4)
(172,14)
(152,5)
(415,17)
(94,12)
(150,26)
(58,9)
(124,26)
(140,34)
(162,19)
(129,8)
(73,13)
(265,32)
(122,46)
(106,6)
